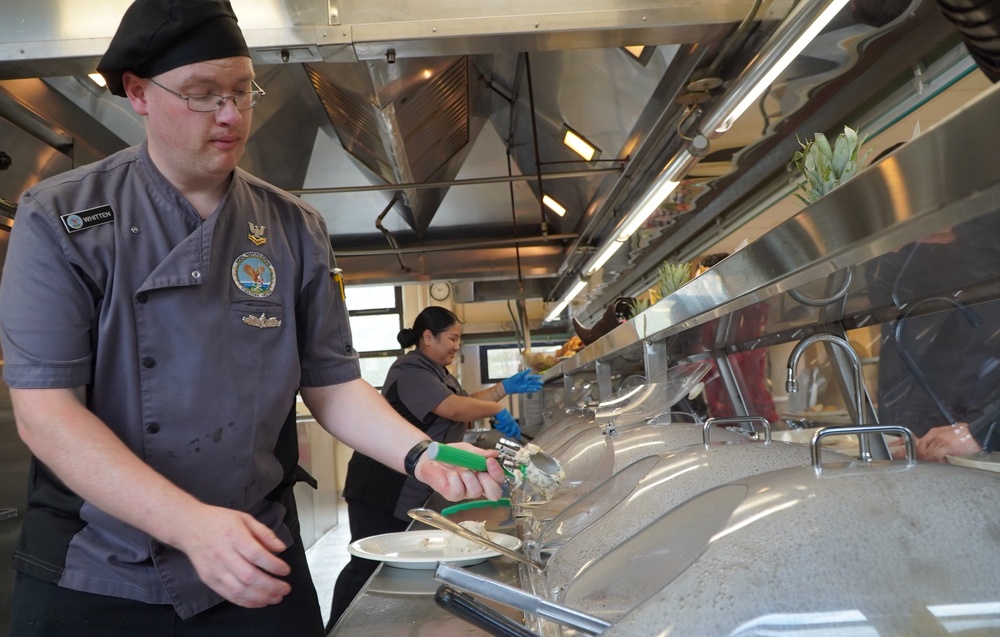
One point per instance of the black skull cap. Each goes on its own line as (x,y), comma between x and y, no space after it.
(156,36)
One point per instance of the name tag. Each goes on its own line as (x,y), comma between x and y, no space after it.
(77,221)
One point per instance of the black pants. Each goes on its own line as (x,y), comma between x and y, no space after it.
(365,522)
(40,609)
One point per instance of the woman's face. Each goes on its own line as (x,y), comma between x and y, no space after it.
(443,347)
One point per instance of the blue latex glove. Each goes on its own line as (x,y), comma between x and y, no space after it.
(523,382)
(505,424)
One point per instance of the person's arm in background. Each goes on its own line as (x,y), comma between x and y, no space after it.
(949,440)
(466,408)
(523,382)
(360,417)
(959,438)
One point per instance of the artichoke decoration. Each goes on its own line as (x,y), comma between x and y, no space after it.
(826,167)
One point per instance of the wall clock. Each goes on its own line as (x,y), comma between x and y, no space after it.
(440,291)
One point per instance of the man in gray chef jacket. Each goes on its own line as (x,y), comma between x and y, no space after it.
(159,311)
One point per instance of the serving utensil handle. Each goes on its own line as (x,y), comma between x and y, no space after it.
(456,457)
(478,614)
(438,521)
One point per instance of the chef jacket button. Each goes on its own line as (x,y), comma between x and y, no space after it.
(148,363)
(196,274)
(141,297)
(158,549)
(134,229)
(152,428)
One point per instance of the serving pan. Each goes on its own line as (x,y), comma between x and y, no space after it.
(879,548)
(584,533)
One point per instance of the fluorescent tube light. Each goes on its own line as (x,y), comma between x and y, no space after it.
(666,182)
(579,145)
(786,58)
(97,79)
(602,257)
(553,205)
(650,203)
(561,305)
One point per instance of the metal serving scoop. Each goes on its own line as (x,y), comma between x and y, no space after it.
(542,461)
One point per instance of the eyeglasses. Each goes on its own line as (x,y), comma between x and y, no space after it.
(210,102)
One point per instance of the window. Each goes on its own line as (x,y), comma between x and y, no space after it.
(497,362)
(376,313)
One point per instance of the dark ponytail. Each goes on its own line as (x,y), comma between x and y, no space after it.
(434,318)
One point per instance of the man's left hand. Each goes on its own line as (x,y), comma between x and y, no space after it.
(463,484)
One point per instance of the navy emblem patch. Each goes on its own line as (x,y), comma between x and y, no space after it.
(253,274)
(77,221)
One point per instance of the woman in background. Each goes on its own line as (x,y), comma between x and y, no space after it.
(419,387)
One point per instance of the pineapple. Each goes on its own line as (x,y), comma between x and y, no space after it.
(669,278)
(824,167)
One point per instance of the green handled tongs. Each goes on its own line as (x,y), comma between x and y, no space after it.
(459,457)
(470,460)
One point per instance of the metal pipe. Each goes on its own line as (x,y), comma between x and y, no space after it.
(388,235)
(792,385)
(793,27)
(465,245)
(534,140)
(569,174)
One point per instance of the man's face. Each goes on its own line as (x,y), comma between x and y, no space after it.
(193,148)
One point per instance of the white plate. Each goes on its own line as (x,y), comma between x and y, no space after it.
(989,462)
(424,549)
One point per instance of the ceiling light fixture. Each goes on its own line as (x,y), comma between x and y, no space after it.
(561,305)
(640,53)
(97,79)
(666,182)
(553,205)
(579,145)
(801,26)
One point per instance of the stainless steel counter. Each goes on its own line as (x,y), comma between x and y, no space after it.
(400,602)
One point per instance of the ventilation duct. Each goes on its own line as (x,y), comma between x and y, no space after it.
(406,122)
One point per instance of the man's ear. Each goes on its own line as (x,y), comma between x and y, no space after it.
(135,91)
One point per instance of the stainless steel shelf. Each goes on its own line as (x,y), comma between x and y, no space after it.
(938,181)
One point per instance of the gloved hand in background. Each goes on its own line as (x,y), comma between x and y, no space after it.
(505,424)
(523,382)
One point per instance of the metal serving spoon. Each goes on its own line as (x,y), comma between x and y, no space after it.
(438,521)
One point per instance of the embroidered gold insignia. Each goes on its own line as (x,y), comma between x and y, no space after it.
(262,321)
(256,234)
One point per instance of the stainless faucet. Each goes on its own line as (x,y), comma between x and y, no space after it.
(792,385)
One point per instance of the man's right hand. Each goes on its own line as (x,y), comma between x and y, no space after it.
(235,556)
